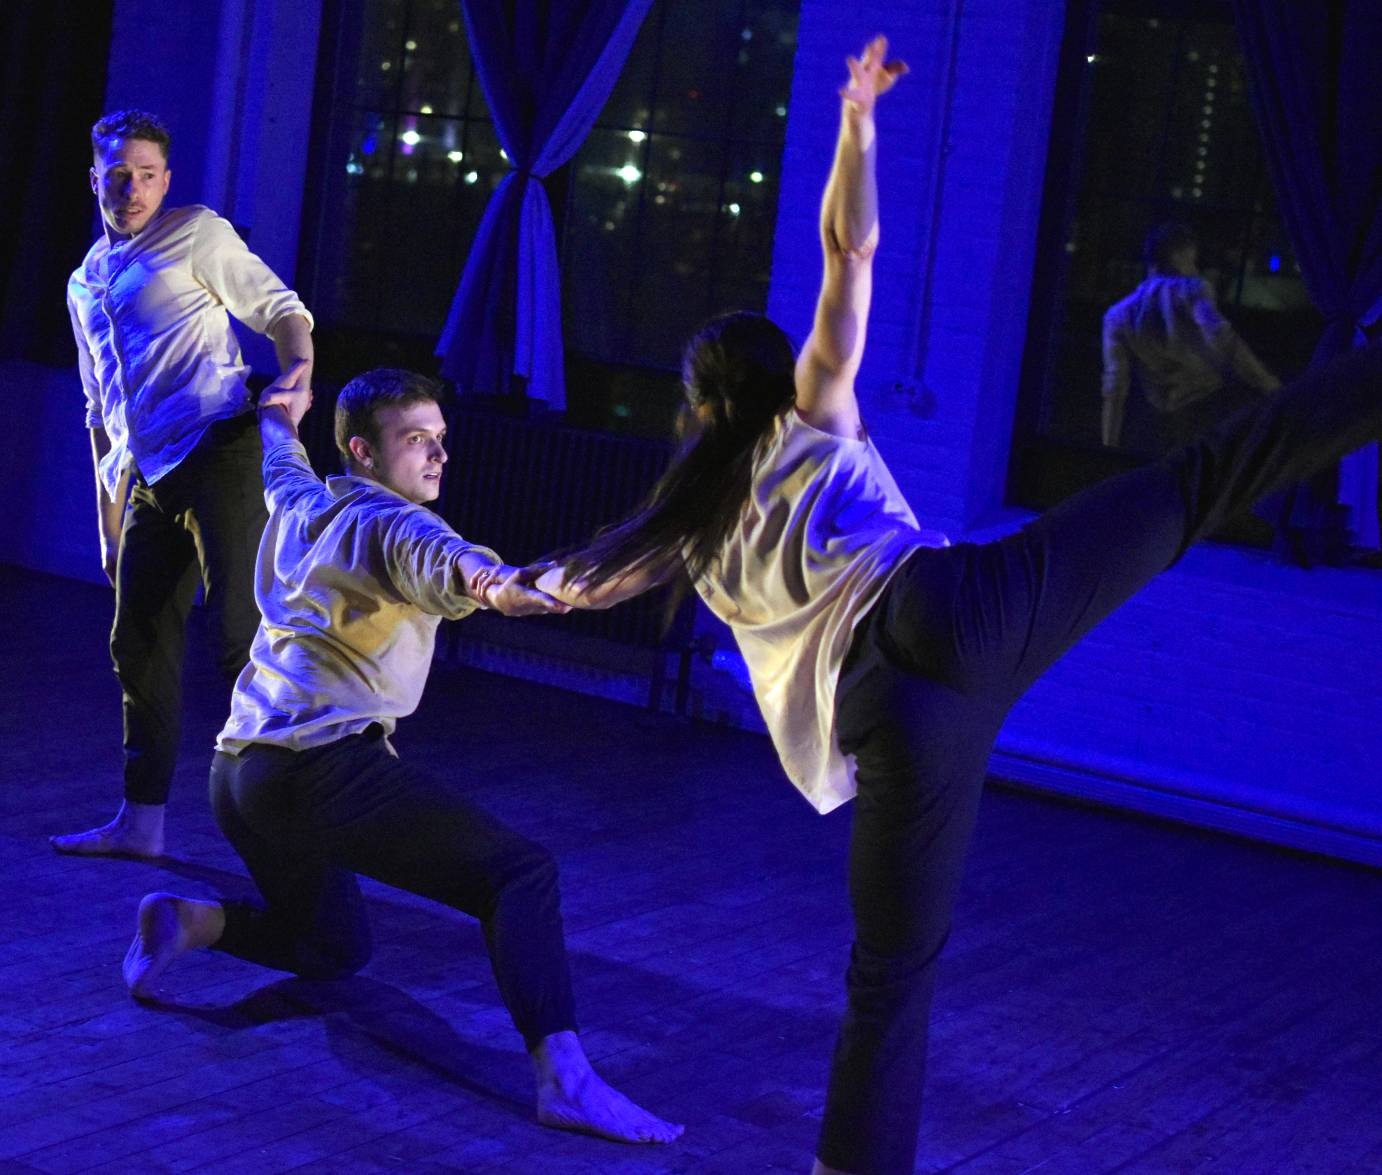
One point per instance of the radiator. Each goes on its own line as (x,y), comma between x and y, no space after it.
(527,487)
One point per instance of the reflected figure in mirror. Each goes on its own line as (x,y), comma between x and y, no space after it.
(1173,364)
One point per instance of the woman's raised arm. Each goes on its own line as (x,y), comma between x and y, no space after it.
(849,235)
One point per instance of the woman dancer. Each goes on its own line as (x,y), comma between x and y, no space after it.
(866,636)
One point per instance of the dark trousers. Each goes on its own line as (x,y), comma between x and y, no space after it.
(306,822)
(957,637)
(1153,433)
(199,524)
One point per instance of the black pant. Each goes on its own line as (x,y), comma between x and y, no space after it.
(1152,432)
(305,822)
(957,637)
(199,523)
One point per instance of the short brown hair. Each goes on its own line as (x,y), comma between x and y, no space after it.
(1164,241)
(360,401)
(131,124)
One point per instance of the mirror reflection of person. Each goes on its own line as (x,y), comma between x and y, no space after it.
(1167,344)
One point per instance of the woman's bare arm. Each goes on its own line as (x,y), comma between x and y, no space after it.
(830,358)
(630,583)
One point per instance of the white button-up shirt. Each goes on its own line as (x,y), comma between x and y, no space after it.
(823,531)
(157,355)
(1181,346)
(352,581)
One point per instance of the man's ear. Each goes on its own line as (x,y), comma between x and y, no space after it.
(360,450)
(95,182)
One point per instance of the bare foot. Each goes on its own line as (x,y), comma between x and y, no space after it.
(572,1096)
(168,926)
(136,831)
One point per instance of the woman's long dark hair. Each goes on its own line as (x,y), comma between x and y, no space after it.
(738,373)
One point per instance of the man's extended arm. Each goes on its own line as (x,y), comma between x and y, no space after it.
(444,574)
(292,339)
(289,482)
(250,290)
(1227,344)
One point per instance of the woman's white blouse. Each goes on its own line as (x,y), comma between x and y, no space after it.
(824,529)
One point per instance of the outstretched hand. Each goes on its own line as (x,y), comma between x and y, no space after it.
(292,390)
(871,75)
(509,592)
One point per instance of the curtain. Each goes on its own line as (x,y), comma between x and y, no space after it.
(546,67)
(52,84)
(1312,71)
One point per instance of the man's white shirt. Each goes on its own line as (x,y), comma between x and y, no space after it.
(158,358)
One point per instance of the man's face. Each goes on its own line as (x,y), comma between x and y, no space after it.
(410,456)
(130,178)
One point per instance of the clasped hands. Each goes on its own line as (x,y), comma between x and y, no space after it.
(509,590)
(292,391)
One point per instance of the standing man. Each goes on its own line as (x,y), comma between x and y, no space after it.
(172,432)
(1168,338)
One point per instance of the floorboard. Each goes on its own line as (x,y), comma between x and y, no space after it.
(1118,995)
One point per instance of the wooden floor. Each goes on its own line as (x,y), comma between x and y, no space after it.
(1118,995)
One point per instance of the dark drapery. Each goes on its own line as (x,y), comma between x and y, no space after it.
(546,69)
(52,83)
(1314,75)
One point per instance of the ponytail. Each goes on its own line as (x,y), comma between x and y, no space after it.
(739,375)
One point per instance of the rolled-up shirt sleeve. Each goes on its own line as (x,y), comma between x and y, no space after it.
(422,554)
(239,279)
(290,483)
(91,388)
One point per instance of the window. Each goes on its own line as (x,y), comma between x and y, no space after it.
(664,216)
(407,159)
(1153,125)
(673,197)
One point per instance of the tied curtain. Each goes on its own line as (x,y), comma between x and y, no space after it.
(1313,69)
(546,67)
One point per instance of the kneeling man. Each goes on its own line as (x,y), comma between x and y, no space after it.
(353,577)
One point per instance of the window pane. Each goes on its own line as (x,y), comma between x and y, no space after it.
(742,253)
(698,40)
(351,211)
(692,232)
(763,58)
(443,177)
(598,261)
(630,103)
(379,62)
(1131,76)
(677,248)
(436,65)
